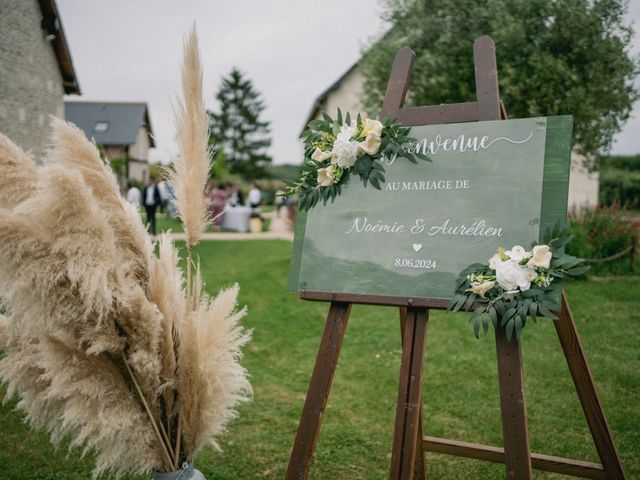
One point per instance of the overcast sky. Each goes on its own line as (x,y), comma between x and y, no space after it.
(291,50)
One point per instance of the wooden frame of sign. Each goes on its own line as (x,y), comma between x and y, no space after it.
(409,444)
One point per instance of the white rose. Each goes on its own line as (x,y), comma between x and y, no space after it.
(370,145)
(494,261)
(541,257)
(320,156)
(324,177)
(511,276)
(371,127)
(481,288)
(347,132)
(518,253)
(344,153)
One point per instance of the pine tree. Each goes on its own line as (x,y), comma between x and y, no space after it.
(236,128)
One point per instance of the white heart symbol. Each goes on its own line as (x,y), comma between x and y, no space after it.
(417,247)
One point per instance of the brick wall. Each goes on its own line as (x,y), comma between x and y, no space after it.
(30,82)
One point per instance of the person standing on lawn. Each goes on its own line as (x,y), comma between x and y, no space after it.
(255,196)
(133,195)
(217,201)
(152,200)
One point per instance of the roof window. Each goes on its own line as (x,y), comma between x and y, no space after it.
(101,127)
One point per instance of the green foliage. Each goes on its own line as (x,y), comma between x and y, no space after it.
(554,57)
(510,309)
(284,172)
(119,166)
(236,128)
(600,233)
(319,138)
(460,399)
(620,181)
(219,168)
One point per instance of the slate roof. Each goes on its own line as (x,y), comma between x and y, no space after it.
(124,118)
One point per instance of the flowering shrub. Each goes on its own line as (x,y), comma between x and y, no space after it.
(600,233)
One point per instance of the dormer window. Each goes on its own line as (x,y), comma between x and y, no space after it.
(101,127)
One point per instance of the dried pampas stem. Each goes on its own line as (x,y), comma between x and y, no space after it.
(179,435)
(193,165)
(165,446)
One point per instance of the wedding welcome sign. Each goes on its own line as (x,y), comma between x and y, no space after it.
(489,184)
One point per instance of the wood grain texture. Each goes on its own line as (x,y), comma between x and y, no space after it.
(419,470)
(486,72)
(398,84)
(387,300)
(547,463)
(439,114)
(318,393)
(513,407)
(587,393)
(405,440)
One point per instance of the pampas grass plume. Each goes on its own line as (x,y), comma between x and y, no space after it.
(193,165)
(103,342)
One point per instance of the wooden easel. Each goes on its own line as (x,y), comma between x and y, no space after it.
(409,445)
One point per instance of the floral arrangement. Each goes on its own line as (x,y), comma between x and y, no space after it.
(335,147)
(517,283)
(102,341)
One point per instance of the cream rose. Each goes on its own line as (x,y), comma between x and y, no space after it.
(494,261)
(344,153)
(371,127)
(512,276)
(324,177)
(541,257)
(370,145)
(518,253)
(320,156)
(347,132)
(481,288)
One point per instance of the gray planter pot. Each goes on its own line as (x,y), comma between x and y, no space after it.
(187,472)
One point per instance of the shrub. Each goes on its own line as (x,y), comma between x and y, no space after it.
(620,181)
(600,233)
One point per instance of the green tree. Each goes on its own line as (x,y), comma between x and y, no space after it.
(554,57)
(236,128)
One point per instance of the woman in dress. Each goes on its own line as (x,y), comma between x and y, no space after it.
(217,201)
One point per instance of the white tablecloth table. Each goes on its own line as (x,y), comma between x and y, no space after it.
(236,218)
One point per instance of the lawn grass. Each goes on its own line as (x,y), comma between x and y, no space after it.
(460,383)
(165,224)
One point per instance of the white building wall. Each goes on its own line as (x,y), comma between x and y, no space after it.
(347,96)
(140,149)
(138,170)
(583,185)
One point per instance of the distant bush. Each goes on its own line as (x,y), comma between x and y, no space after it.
(600,233)
(620,181)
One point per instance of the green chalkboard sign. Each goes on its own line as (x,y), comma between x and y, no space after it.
(490,184)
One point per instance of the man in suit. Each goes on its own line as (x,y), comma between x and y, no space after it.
(152,200)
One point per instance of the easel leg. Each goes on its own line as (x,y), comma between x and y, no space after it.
(318,392)
(420,469)
(405,440)
(517,453)
(585,387)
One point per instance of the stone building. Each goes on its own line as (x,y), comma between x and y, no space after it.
(122,131)
(347,91)
(35,71)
